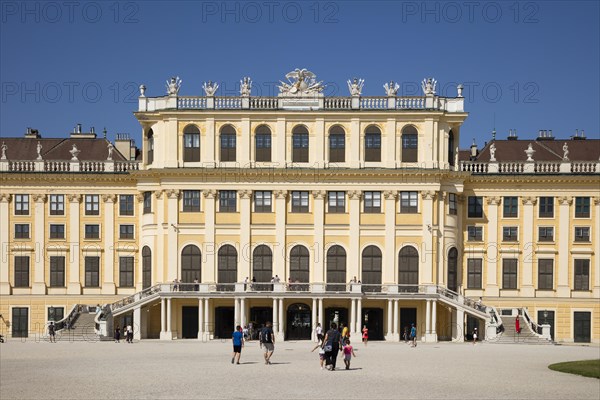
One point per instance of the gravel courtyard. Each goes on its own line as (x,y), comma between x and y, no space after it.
(189,369)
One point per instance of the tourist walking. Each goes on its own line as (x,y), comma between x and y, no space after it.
(129,334)
(345,332)
(52,332)
(413,336)
(117,335)
(517,325)
(405,334)
(365,334)
(238,342)
(321,353)
(331,345)
(348,353)
(319,333)
(267,341)
(474,336)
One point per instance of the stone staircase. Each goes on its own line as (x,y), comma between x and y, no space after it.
(510,336)
(83,330)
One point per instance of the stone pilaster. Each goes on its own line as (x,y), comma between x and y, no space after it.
(108,281)
(562,231)
(354,246)
(319,235)
(491,286)
(427,257)
(390,208)
(74,284)
(245,235)
(527,289)
(5,200)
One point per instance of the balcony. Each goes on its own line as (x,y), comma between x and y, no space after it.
(535,167)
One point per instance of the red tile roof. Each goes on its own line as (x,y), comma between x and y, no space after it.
(545,150)
(25,149)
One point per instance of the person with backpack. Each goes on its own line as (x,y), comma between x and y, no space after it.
(413,336)
(267,341)
(331,345)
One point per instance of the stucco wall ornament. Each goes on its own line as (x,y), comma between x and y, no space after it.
(391,89)
(301,82)
(355,86)
(245,86)
(173,86)
(210,88)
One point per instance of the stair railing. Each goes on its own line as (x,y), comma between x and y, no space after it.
(67,322)
(533,327)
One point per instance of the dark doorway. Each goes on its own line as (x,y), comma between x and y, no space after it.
(20,322)
(582,326)
(373,319)
(547,318)
(473,323)
(189,322)
(337,315)
(224,320)
(408,316)
(259,317)
(299,322)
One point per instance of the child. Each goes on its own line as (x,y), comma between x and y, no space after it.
(348,353)
(321,353)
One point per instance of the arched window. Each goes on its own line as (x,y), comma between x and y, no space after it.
(337,144)
(408,269)
(228,143)
(146,267)
(300,144)
(262,267)
(410,144)
(451,148)
(191,143)
(299,268)
(227,268)
(263,143)
(190,264)
(453,269)
(336,269)
(372,143)
(150,150)
(371,269)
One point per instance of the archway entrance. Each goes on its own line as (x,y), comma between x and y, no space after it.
(299,322)
(373,319)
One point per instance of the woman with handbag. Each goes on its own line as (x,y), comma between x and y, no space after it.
(331,345)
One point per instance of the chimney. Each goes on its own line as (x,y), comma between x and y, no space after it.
(79,134)
(512,134)
(474,151)
(545,135)
(31,133)
(126,146)
(580,136)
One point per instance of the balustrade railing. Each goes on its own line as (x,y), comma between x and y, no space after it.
(228,102)
(192,103)
(475,167)
(585,167)
(410,103)
(373,103)
(57,166)
(68,321)
(537,167)
(338,103)
(91,166)
(62,166)
(511,167)
(21,166)
(263,103)
(547,167)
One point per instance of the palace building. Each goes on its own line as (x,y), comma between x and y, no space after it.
(301,209)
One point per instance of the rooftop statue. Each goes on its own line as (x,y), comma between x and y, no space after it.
(110,151)
(565,152)
(301,82)
(4,147)
(210,88)
(39,150)
(391,89)
(493,152)
(355,86)
(74,153)
(529,152)
(173,86)
(245,86)
(428,86)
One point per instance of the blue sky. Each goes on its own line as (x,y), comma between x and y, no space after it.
(530,65)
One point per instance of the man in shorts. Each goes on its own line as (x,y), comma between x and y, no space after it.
(238,343)
(52,332)
(267,341)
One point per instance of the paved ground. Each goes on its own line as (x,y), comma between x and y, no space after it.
(188,369)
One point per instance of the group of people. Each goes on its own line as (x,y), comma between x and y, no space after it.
(176,286)
(330,345)
(127,331)
(266,338)
(410,335)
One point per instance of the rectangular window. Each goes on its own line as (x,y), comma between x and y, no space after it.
(452,204)
(21,271)
(475,233)
(92,231)
(126,204)
(57,204)
(410,146)
(545,274)
(582,207)
(126,271)
(510,234)
(337,148)
(21,231)
(21,204)
(228,147)
(475,206)
(299,202)
(474,273)
(57,231)
(92,271)
(300,147)
(582,275)
(191,201)
(509,273)
(336,202)
(582,233)
(126,231)
(511,207)
(262,201)
(92,204)
(263,147)
(56,313)
(227,200)
(408,202)
(191,147)
(57,271)
(373,147)
(546,209)
(372,202)
(546,234)
(147,202)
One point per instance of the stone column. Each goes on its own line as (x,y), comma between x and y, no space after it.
(245,240)
(242,312)
(201,319)
(159,257)
(163,316)
(314,319)
(172,235)
(433,321)
(279,155)
(395,329)
(209,144)
(245,143)
(388,144)
(137,323)
(317,157)
(280,250)
(390,331)
(207,327)
(74,283)
(236,312)
(108,229)
(209,251)
(354,241)
(458,328)
(596,228)
(491,286)
(5,200)
(39,228)
(528,247)
(169,332)
(321,315)
(275,315)
(139,270)
(427,254)
(427,318)
(354,159)
(280,320)
(358,315)
(441,245)
(319,236)
(353,319)
(563,232)
(389,272)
